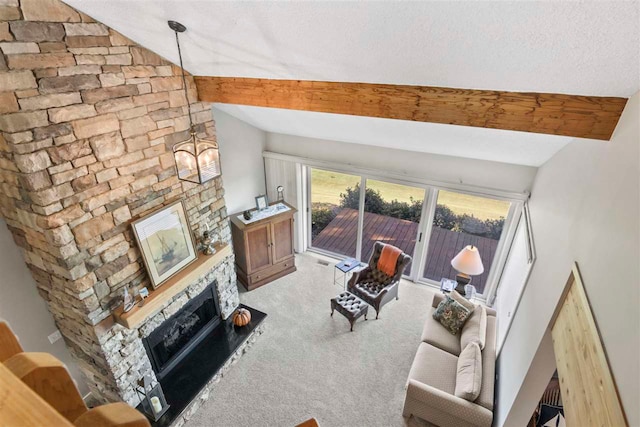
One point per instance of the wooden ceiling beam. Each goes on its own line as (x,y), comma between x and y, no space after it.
(555,114)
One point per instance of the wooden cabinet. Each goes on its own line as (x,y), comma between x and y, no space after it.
(263,248)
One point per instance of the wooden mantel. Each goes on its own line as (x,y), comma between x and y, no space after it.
(550,113)
(172,287)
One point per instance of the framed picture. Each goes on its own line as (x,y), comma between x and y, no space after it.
(165,240)
(262,202)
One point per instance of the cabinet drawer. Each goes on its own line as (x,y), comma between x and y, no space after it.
(275,269)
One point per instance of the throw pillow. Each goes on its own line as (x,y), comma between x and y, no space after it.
(462,300)
(469,375)
(475,328)
(451,314)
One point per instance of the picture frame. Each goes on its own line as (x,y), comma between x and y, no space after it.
(262,202)
(165,241)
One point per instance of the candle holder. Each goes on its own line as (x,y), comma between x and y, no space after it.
(154,405)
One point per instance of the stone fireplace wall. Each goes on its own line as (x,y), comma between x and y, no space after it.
(87,122)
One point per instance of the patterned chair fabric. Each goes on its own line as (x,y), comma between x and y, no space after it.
(374,286)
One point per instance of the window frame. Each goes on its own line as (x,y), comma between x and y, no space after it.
(431,187)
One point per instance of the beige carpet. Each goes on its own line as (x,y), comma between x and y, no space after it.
(307,364)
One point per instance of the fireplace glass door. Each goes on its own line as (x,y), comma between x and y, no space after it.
(170,342)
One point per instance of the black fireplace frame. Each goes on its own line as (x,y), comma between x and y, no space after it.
(154,337)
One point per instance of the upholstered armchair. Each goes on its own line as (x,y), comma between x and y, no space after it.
(375,287)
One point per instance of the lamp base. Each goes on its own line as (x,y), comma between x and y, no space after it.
(462,279)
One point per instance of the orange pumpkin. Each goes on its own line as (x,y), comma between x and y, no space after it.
(241,317)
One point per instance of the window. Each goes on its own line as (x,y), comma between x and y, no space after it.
(346,221)
(391,215)
(334,203)
(461,220)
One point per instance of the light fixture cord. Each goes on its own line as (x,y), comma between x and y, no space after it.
(184,82)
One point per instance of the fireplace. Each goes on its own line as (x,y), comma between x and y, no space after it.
(172,341)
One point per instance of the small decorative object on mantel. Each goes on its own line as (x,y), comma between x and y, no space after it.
(208,241)
(153,402)
(144,293)
(129,300)
(280,190)
(165,241)
(197,158)
(247,214)
(262,202)
(241,317)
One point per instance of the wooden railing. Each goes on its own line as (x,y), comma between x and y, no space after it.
(37,390)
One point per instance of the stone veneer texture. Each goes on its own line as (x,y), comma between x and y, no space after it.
(87,122)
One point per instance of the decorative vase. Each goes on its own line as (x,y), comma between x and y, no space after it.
(247,215)
(241,317)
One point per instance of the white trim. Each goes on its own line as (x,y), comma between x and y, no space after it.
(426,225)
(307,206)
(302,207)
(399,178)
(334,255)
(421,237)
(525,216)
(359,231)
(431,193)
(502,251)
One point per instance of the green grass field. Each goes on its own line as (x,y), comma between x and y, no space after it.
(326,187)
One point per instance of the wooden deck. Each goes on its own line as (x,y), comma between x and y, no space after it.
(340,236)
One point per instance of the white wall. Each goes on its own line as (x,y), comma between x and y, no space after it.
(512,282)
(24,309)
(584,208)
(241,147)
(480,173)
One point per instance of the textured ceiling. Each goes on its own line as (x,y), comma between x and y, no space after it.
(547,46)
(521,148)
(538,46)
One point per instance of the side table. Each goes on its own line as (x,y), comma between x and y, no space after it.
(343,268)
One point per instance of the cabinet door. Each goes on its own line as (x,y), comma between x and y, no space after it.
(258,248)
(282,239)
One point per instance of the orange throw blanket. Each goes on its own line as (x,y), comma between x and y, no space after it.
(389,259)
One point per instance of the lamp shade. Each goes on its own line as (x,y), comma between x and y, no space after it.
(468,261)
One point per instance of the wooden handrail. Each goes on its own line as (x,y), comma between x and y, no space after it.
(48,377)
(114,414)
(9,344)
(21,406)
(36,389)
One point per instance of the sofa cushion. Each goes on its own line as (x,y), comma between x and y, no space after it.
(434,367)
(451,314)
(475,328)
(433,333)
(462,300)
(488,366)
(469,372)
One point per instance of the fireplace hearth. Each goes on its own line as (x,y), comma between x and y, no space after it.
(188,383)
(172,341)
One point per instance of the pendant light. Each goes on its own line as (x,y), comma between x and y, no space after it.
(197,159)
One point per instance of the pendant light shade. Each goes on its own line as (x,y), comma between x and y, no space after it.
(197,158)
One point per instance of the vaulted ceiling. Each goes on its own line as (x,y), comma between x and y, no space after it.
(578,48)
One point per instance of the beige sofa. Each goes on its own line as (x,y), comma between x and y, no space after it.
(432,379)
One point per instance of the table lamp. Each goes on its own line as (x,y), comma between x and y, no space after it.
(467,263)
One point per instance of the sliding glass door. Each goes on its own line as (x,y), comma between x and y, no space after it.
(334,205)
(392,215)
(346,221)
(461,220)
